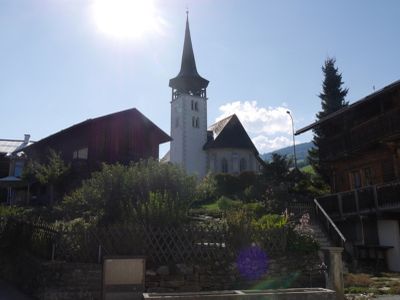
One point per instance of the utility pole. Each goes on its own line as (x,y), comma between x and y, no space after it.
(294,143)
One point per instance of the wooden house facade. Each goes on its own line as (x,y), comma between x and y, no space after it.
(361,152)
(120,137)
(362,145)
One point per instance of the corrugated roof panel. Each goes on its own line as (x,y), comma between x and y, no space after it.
(8,146)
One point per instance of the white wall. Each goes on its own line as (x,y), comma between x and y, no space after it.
(187,141)
(233,157)
(389,235)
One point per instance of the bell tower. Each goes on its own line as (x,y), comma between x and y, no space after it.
(189,113)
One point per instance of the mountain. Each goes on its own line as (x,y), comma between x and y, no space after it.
(301,152)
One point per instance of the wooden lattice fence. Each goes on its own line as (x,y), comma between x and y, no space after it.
(37,238)
(161,245)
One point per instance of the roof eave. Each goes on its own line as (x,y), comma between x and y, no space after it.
(370,97)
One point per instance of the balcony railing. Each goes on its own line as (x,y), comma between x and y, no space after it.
(366,200)
(361,135)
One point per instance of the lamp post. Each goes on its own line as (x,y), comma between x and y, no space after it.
(294,143)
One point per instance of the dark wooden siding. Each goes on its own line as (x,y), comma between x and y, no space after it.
(121,137)
(364,142)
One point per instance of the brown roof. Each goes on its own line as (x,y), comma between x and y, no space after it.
(369,98)
(163,136)
(229,133)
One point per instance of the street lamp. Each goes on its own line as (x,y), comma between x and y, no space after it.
(294,143)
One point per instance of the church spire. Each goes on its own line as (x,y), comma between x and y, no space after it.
(188,80)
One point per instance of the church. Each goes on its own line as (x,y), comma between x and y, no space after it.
(224,147)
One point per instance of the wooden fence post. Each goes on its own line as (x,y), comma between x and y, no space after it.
(53,251)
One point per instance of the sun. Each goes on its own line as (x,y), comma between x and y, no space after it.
(125,19)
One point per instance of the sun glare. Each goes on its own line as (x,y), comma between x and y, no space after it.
(125,18)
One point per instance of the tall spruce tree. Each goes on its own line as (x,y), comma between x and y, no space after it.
(332,99)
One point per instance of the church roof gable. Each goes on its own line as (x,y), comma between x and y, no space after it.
(229,133)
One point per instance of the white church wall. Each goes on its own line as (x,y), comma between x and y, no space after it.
(233,157)
(189,135)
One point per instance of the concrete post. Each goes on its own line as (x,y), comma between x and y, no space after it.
(335,270)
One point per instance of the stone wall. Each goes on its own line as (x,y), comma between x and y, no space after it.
(60,280)
(287,271)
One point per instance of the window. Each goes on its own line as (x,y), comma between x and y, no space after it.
(355,179)
(234,162)
(224,165)
(19,166)
(195,122)
(242,165)
(192,104)
(80,154)
(196,107)
(367,176)
(388,170)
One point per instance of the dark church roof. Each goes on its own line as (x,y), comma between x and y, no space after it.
(229,133)
(188,79)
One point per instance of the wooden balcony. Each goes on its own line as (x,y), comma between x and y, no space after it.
(361,136)
(373,199)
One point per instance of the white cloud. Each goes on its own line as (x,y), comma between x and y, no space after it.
(270,128)
(258,120)
(266,144)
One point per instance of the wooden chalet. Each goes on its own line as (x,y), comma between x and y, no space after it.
(120,137)
(361,150)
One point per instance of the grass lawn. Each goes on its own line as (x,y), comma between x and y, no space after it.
(211,207)
(384,283)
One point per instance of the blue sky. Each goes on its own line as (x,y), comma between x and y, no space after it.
(261,57)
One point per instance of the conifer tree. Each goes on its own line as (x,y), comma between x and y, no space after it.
(332,99)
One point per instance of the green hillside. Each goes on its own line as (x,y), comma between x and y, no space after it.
(301,152)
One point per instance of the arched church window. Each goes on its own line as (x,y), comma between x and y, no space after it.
(193,122)
(196,106)
(242,165)
(224,165)
(192,104)
(197,122)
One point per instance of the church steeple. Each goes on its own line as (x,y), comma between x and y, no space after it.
(188,80)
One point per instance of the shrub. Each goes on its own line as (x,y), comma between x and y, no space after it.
(140,192)
(50,173)
(227,185)
(255,208)
(270,221)
(240,227)
(300,242)
(162,210)
(250,193)
(276,198)
(206,190)
(11,211)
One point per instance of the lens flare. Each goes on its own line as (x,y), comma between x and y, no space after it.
(252,263)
